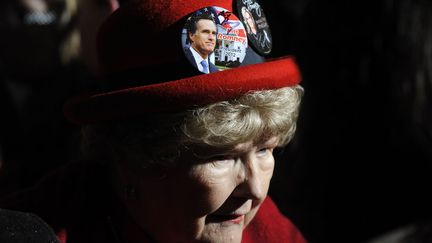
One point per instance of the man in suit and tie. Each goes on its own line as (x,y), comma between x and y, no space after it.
(201,34)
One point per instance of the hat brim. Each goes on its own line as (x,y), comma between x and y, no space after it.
(183,94)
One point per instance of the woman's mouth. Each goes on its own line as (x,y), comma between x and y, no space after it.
(228,218)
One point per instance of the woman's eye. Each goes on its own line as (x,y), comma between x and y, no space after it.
(265,150)
(221,161)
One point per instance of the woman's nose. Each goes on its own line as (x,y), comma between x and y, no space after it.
(251,181)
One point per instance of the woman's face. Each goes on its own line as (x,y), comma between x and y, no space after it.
(207,199)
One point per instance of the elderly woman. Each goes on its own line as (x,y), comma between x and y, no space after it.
(201,174)
(171,154)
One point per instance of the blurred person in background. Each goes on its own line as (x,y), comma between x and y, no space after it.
(39,67)
(91,15)
(47,53)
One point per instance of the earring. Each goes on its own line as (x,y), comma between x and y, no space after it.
(129,192)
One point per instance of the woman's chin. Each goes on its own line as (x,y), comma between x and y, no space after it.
(222,232)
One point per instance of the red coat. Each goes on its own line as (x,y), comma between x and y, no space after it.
(80,206)
(269,225)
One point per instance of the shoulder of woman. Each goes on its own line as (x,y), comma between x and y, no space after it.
(269,225)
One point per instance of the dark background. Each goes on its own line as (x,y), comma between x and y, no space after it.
(360,164)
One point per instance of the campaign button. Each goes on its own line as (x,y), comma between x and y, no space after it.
(214,39)
(257,27)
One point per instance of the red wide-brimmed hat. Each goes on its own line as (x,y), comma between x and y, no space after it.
(144,68)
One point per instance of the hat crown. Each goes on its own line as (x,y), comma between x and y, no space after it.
(145,69)
(146,33)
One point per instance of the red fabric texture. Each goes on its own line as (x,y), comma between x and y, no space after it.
(269,225)
(62,236)
(182,94)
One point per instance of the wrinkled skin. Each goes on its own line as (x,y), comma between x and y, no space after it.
(207,199)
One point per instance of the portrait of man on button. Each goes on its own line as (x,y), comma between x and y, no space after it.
(201,35)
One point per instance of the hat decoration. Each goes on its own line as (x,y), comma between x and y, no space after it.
(258,30)
(214,36)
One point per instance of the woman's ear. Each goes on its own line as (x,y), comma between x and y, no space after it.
(130,179)
(131,182)
(126,182)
